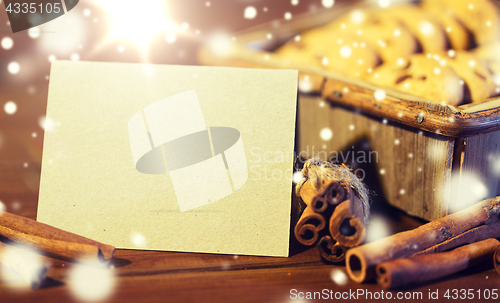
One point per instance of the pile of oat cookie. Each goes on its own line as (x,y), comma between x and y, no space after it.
(441,50)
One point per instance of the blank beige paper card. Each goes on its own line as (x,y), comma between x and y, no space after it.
(165,157)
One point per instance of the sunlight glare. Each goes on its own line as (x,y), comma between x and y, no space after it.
(148,20)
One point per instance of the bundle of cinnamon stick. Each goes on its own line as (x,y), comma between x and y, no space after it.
(26,237)
(422,254)
(336,209)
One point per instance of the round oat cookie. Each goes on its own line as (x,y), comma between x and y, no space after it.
(428,30)
(473,71)
(480,17)
(459,36)
(387,35)
(338,53)
(421,76)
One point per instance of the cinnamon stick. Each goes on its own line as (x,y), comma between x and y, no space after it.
(477,234)
(330,250)
(401,272)
(332,193)
(361,260)
(311,222)
(24,264)
(52,240)
(496,260)
(347,224)
(308,227)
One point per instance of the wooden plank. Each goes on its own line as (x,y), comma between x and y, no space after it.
(229,284)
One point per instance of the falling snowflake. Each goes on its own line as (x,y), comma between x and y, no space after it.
(297,177)
(7,43)
(22,267)
(326,134)
(345,51)
(46,123)
(91,283)
(377,229)
(34,32)
(170,37)
(338,276)
(494,161)
(250,12)
(220,44)
(327,3)
(379,95)
(384,3)
(10,107)
(436,152)
(13,67)
(466,189)
(138,240)
(305,85)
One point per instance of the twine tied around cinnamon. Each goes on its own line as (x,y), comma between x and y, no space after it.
(336,212)
(316,171)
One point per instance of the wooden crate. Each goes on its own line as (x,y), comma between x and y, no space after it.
(425,150)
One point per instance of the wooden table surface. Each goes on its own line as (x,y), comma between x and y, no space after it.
(151,276)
